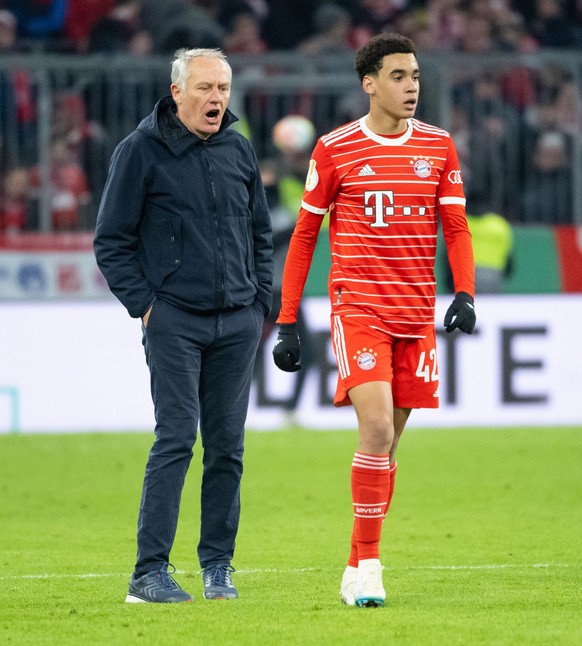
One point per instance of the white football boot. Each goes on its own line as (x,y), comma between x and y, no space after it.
(348,586)
(369,590)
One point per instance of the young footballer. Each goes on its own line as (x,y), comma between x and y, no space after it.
(387,180)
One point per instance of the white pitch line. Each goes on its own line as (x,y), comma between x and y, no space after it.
(499,566)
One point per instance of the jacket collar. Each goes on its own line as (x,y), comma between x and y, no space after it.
(174,133)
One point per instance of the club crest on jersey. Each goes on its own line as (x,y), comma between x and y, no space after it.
(366,358)
(312,176)
(422,166)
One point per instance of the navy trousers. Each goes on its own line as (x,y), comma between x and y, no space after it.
(200,369)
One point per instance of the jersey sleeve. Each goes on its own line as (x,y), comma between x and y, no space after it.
(322,182)
(451,204)
(321,186)
(297,264)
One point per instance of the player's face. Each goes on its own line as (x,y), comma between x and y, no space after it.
(394,91)
(204,99)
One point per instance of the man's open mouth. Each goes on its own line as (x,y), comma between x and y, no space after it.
(213,114)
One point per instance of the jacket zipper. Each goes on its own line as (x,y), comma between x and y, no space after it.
(221,280)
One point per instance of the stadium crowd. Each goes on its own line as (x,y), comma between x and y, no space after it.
(516,129)
(315,26)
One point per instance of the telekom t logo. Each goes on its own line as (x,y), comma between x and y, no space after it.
(380,204)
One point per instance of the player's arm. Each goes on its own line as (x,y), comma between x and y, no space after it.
(286,352)
(459,247)
(298,263)
(451,203)
(316,199)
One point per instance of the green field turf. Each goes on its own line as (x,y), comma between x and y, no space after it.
(483,544)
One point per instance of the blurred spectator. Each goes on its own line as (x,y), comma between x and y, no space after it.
(332,25)
(41,20)
(492,237)
(513,36)
(461,133)
(517,84)
(283,222)
(553,28)
(568,106)
(477,35)
(15,204)
(243,35)
(494,157)
(293,137)
(547,195)
(446,19)
(178,23)
(555,109)
(7,31)
(86,141)
(283,177)
(503,116)
(17,110)
(415,24)
(120,31)
(260,7)
(288,23)
(499,13)
(80,17)
(68,187)
(222,11)
(375,16)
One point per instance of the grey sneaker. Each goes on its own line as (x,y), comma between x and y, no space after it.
(217,583)
(156,587)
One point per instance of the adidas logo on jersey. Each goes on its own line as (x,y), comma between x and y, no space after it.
(366,170)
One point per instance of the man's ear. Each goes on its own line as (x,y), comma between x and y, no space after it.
(368,85)
(176,93)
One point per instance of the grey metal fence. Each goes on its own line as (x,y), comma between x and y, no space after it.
(516,120)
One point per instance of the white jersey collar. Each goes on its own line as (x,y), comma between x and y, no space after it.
(387,141)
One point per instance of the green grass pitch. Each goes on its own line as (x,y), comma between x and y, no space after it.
(483,544)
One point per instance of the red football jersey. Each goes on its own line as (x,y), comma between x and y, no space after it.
(385,195)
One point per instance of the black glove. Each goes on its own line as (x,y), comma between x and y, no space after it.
(461,314)
(286,351)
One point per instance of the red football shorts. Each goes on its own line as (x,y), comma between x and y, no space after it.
(364,353)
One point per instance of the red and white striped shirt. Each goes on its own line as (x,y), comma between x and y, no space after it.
(385,196)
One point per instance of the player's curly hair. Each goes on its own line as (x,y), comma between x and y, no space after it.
(370,56)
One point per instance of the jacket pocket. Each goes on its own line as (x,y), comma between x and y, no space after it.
(163,248)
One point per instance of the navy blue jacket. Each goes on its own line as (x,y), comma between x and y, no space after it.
(184,219)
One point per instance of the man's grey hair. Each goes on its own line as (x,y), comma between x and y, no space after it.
(182,59)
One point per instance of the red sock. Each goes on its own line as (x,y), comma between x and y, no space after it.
(370,489)
(393,468)
(353,560)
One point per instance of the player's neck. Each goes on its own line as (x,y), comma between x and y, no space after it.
(385,125)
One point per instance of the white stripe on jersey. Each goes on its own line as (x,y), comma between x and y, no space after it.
(452,200)
(427,127)
(312,209)
(340,346)
(340,133)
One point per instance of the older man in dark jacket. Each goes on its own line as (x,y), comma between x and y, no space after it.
(183,239)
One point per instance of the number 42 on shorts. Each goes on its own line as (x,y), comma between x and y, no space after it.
(427,369)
